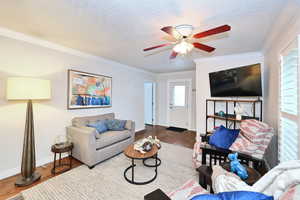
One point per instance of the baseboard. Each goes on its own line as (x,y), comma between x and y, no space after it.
(140,131)
(17,170)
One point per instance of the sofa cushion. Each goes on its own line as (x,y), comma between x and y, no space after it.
(187,191)
(223,137)
(100,126)
(291,193)
(110,137)
(115,124)
(253,139)
(83,121)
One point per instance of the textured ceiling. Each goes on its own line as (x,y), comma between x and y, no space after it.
(119,29)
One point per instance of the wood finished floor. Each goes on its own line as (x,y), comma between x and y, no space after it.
(186,138)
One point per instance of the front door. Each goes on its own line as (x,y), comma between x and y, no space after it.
(178,110)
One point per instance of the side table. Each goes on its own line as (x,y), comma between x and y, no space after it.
(205,173)
(59,149)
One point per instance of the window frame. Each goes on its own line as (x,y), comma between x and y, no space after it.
(296,118)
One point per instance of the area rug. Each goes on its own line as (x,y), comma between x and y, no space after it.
(106,180)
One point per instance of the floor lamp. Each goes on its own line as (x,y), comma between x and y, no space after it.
(28,89)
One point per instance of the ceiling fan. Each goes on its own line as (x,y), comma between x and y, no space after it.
(185,41)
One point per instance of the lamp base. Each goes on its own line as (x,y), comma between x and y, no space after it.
(27,181)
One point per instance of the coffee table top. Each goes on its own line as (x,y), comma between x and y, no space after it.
(131,153)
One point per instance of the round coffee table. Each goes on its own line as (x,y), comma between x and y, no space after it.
(136,155)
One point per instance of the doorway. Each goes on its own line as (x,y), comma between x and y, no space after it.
(179,103)
(149,103)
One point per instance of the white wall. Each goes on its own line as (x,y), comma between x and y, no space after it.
(162,92)
(205,66)
(286,29)
(19,58)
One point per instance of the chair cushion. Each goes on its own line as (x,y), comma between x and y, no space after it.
(115,124)
(251,128)
(236,195)
(110,137)
(187,191)
(100,126)
(223,137)
(254,138)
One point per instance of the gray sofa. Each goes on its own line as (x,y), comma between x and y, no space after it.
(90,147)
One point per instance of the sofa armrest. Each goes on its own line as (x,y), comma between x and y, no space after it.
(130,125)
(84,140)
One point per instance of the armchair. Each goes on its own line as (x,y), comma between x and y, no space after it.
(282,182)
(251,144)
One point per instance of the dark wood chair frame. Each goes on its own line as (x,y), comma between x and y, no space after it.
(218,156)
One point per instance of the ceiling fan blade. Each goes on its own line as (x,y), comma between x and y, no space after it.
(173,55)
(213,31)
(158,46)
(171,31)
(203,47)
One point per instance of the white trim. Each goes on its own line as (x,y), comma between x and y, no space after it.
(153,100)
(175,73)
(154,103)
(189,81)
(50,45)
(283,50)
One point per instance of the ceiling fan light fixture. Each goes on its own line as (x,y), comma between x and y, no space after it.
(185,29)
(183,47)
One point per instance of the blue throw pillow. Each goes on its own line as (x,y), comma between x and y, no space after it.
(236,195)
(115,124)
(223,137)
(100,126)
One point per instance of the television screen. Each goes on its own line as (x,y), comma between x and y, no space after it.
(238,82)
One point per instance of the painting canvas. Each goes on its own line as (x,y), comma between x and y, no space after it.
(88,90)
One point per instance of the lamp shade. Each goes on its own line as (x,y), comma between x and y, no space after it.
(19,88)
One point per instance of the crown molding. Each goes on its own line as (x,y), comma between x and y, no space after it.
(176,73)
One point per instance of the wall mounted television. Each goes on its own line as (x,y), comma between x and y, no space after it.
(237,82)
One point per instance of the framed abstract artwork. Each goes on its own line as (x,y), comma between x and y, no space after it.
(86,90)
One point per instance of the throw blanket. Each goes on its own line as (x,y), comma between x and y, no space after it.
(274,183)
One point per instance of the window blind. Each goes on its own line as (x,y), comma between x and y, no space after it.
(289,98)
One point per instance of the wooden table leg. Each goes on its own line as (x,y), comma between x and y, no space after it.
(71,158)
(59,159)
(54,164)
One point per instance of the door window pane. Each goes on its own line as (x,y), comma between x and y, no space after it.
(179,95)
